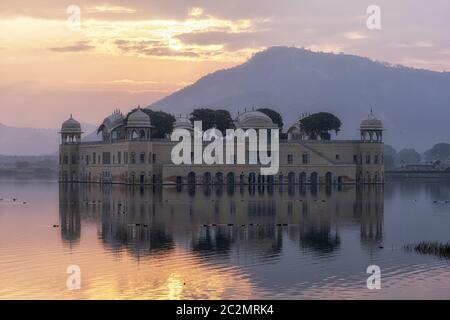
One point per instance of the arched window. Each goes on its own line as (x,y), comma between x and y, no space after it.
(207,178)
(314,178)
(191,178)
(302,178)
(328,178)
(291,178)
(251,178)
(219,178)
(230,178)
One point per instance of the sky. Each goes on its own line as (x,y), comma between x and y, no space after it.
(91,57)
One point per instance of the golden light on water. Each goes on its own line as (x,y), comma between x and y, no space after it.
(176,257)
(177,274)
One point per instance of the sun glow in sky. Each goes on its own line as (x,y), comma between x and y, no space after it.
(126,53)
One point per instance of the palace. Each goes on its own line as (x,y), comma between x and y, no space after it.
(127,154)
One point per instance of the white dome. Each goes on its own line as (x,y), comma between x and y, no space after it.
(112,122)
(255,120)
(71,126)
(182,123)
(295,128)
(295,132)
(139,119)
(371,122)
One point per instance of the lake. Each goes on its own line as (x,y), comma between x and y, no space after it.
(280,242)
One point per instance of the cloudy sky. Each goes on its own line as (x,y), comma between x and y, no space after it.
(121,54)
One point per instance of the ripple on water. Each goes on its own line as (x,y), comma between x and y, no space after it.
(322,253)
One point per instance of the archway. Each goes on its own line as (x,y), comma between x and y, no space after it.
(314,179)
(230,178)
(291,178)
(328,178)
(302,178)
(191,178)
(207,178)
(219,178)
(251,178)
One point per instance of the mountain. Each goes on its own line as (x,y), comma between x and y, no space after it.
(31,141)
(92,136)
(412,103)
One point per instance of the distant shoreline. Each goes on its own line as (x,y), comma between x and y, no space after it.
(411,174)
(28,167)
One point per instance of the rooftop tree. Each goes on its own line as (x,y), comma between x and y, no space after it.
(162,123)
(321,125)
(274,115)
(220,119)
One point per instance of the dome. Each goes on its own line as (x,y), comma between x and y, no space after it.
(71,126)
(112,122)
(182,123)
(295,128)
(295,132)
(371,122)
(255,120)
(139,119)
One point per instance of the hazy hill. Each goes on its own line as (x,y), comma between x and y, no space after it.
(31,141)
(413,104)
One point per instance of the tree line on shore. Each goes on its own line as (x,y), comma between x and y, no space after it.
(439,154)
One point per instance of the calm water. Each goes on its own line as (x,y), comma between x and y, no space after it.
(220,243)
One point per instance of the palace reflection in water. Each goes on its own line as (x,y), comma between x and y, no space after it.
(216,222)
(274,242)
